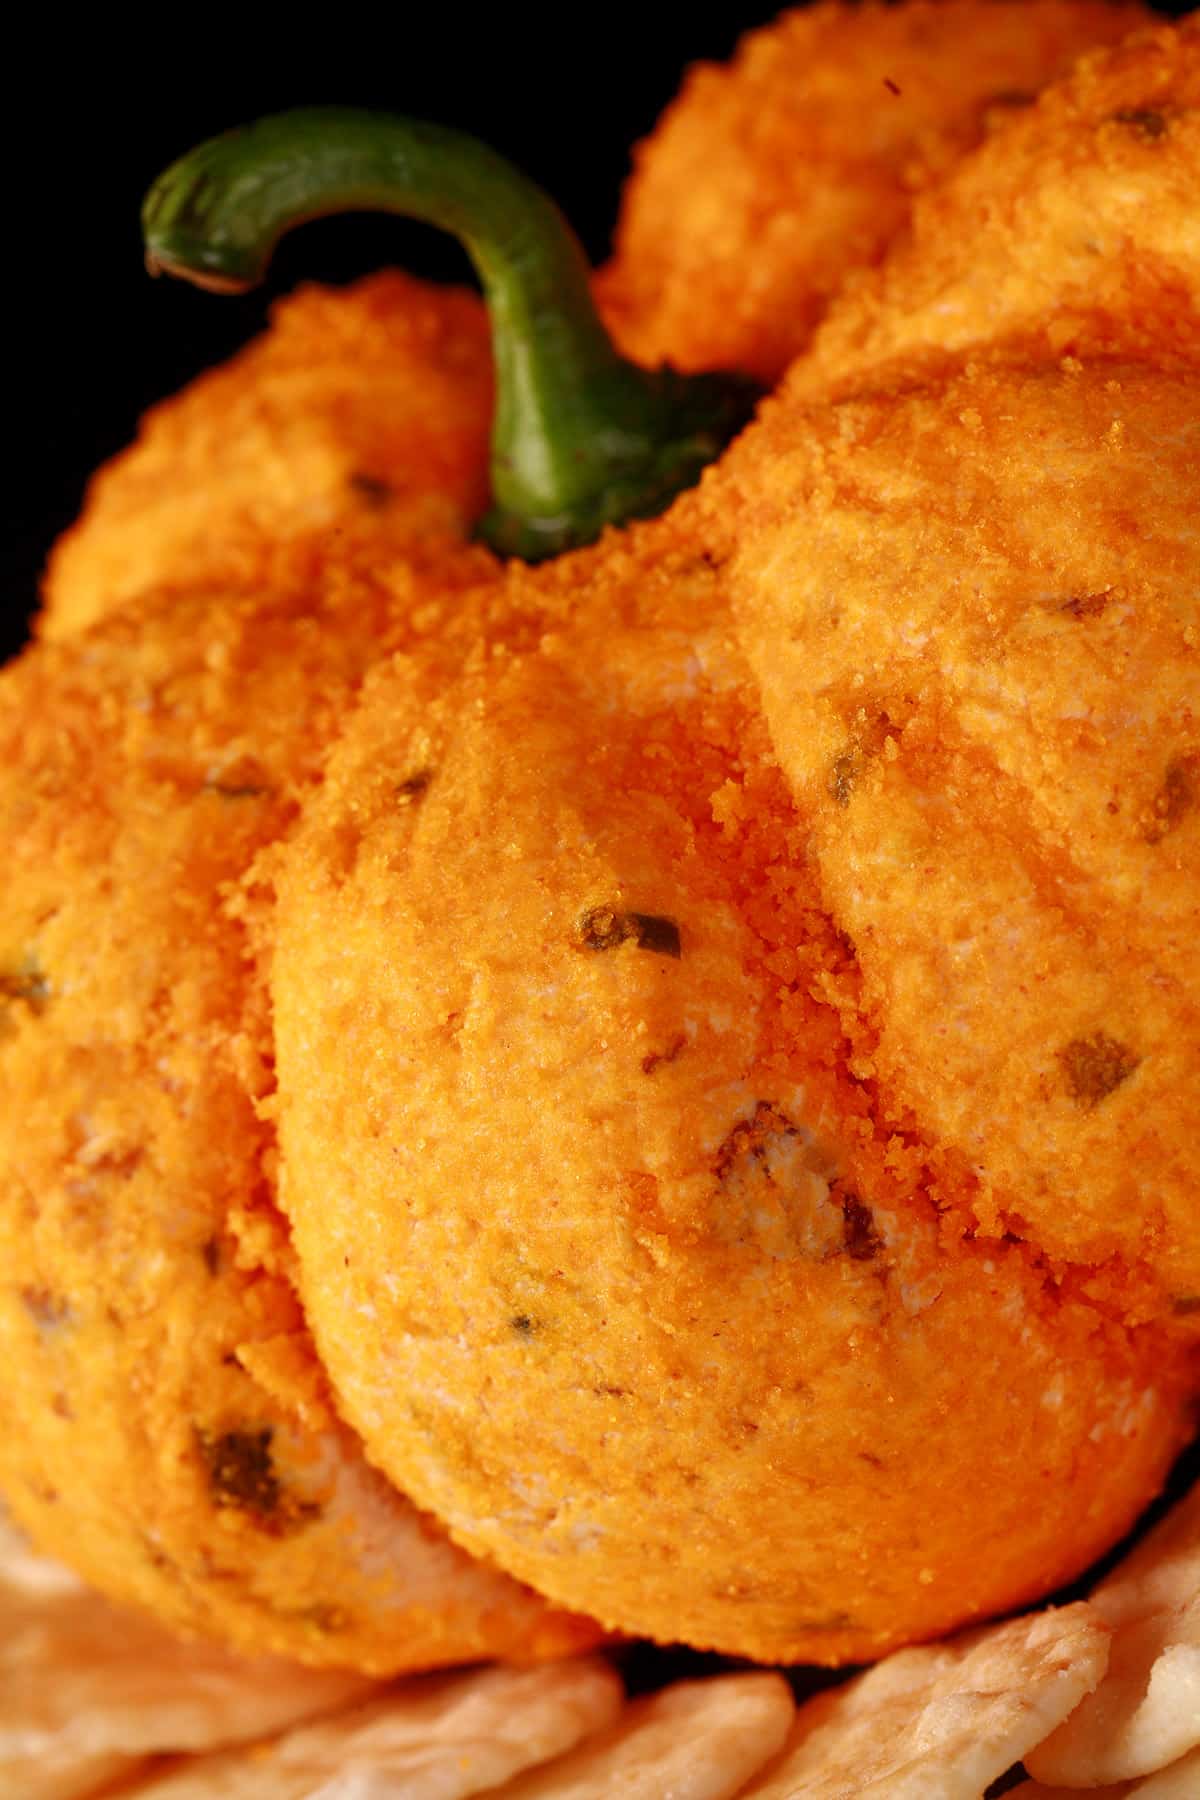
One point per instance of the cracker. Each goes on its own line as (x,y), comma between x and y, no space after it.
(943,1722)
(84,1684)
(431,1738)
(60,1772)
(22,1570)
(63,1775)
(1145,1714)
(697,1740)
(1180,1782)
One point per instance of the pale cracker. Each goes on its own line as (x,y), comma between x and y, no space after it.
(60,1772)
(944,1722)
(83,1681)
(63,1776)
(1033,1790)
(428,1738)
(698,1740)
(1145,1714)
(24,1571)
(1180,1782)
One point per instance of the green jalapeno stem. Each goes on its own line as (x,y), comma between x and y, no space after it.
(582,437)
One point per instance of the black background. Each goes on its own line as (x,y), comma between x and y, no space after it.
(93,118)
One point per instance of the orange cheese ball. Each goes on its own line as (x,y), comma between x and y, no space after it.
(164,1424)
(974,611)
(770,180)
(1073,229)
(619,1253)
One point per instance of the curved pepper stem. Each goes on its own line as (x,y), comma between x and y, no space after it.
(582,437)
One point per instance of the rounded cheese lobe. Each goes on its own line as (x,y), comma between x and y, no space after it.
(772,179)
(972,607)
(614,1257)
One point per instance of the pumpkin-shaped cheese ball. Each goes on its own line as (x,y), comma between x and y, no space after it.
(1073,229)
(769,181)
(974,611)
(617,1250)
